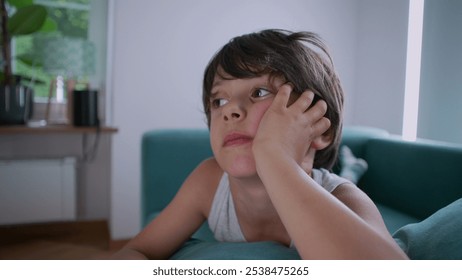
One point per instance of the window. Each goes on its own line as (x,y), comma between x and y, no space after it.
(75,19)
(72,20)
(414,49)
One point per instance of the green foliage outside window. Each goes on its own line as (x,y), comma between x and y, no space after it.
(71,17)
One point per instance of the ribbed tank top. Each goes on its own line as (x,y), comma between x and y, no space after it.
(223,220)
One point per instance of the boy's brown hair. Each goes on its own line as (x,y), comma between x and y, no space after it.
(294,56)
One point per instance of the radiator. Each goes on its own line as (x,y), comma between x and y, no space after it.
(37,190)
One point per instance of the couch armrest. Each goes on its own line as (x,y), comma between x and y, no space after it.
(167,158)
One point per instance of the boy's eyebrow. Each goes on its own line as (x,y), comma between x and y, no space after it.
(213,90)
(216,82)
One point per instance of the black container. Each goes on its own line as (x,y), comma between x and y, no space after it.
(85,107)
(16,104)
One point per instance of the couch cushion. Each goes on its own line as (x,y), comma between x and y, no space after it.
(267,250)
(435,238)
(394,219)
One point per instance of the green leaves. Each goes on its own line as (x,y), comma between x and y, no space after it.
(49,25)
(27,20)
(20,3)
(29,60)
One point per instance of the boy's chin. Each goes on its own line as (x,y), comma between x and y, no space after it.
(242,174)
(241,169)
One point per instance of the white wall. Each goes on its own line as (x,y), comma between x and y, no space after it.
(380,79)
(160,49)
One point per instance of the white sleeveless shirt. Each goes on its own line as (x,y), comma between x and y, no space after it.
(223,220)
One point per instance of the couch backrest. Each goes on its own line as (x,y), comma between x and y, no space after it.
(356,138)
(417,178)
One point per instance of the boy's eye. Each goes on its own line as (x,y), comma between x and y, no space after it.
(218,102)
(261,92)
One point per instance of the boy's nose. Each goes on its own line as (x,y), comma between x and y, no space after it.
(232,116)
(233,112)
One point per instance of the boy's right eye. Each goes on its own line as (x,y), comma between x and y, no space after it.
(218,102)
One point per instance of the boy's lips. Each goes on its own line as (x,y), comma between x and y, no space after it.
(234,139)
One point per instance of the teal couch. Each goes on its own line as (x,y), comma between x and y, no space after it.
(408,181)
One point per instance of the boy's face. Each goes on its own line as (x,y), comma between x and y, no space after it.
(237,106)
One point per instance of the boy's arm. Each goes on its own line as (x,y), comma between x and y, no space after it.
(321,226)
(179,220)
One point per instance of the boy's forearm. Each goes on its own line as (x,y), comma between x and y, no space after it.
(128,254)
(320,225)
(285,181)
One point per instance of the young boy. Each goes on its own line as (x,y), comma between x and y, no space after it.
(272,146)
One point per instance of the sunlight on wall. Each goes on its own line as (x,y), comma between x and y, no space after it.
(412,86)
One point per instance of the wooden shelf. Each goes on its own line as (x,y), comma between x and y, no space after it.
(49,129)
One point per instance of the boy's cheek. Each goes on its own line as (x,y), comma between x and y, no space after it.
(260,112)
(264,106)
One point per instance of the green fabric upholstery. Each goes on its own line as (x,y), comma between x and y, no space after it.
(356,138)
(167,158)
(438,237)
(416,178)
(408,181)
(267,250)
(394,219)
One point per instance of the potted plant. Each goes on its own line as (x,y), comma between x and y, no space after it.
(16,99)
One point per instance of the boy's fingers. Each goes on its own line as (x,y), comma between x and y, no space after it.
(321,126)
(305,100)
(283,96)
(303,103)
(318,110)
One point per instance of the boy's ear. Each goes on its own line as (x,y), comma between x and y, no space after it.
(321,142)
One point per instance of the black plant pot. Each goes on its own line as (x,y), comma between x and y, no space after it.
(16,104)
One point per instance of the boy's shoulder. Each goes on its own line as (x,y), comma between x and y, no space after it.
(211,163)
(209,170)
(206,172)
(203,181)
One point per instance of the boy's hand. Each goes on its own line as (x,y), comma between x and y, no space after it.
(290,129)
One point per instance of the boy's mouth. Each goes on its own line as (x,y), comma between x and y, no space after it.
(235,139)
